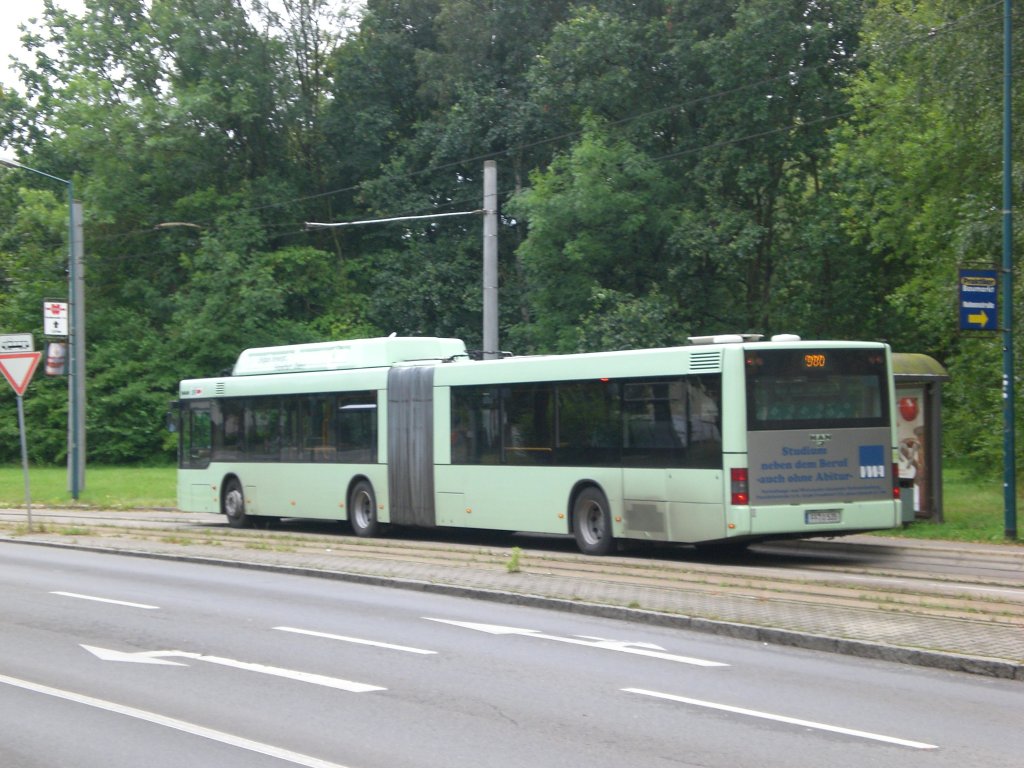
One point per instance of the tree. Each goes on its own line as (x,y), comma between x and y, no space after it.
(772,90)
(423,94)
(592,229)
(33,264)
(178,110)
(920,192)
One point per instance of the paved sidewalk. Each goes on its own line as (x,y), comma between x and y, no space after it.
(690,595)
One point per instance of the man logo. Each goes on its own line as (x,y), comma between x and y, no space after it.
(820,438)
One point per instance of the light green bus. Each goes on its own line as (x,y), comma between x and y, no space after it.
(722,442)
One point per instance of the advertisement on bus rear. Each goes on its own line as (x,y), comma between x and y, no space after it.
(811,467)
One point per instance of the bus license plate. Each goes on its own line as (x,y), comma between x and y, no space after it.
(818,516)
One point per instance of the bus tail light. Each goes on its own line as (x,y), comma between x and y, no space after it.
(896,481)
(740,486)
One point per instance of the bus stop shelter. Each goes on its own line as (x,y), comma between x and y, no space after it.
(919,381)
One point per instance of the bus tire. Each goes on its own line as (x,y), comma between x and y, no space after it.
(362,510)
(592,522)
(232,504)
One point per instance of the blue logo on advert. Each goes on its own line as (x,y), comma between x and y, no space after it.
(872,462)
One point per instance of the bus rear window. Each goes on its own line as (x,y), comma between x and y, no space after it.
(812,388)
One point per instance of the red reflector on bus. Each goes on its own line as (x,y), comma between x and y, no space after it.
(740,487)
(896,481)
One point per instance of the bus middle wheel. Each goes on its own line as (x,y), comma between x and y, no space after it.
(362,510)
(233,505)
(592,523)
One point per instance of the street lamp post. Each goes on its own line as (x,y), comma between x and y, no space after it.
(76,334)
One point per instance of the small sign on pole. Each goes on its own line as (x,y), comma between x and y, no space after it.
(979,309)
(55,318)
(16,342)
(17,368)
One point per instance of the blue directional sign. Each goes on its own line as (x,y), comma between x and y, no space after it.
(978,302)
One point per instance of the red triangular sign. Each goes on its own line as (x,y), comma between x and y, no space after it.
(18,367)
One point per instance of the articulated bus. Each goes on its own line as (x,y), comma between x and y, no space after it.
(722,442)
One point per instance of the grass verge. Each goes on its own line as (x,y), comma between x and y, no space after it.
(106,487)
(972,510)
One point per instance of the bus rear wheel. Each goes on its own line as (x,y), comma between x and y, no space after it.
(592,523)
(362,510)
(233,505)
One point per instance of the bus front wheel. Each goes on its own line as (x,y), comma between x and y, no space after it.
(592,523)
(233,505)
(362,510)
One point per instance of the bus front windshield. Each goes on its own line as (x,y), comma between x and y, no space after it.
(816,388)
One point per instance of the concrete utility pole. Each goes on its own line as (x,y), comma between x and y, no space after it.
(76,381)
(491,348)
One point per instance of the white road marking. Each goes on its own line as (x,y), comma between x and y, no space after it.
(140,657)
(358,641)
(296,758)
(157,657)
(637,649)
(107,600)
(637,644)
(784,719)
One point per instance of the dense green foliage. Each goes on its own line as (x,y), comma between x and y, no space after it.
(667,168)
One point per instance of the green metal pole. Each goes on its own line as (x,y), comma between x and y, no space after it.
(1009,417)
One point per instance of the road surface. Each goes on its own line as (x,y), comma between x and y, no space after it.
(112,661)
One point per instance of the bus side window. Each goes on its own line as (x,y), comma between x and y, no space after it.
(229,429)
(655,423)
(673,422)
(318,428)
(356,427)
(529,424)
(704,409)
(263,429)
(476,425)
(589,428)
(292,446)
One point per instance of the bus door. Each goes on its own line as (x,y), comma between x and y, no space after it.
(672,459)
(194,452)
(651,445)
